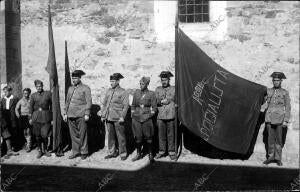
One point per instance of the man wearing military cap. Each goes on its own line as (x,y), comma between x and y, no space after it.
(142,110)
(40,116)
(278,108)
(77,113)
(115,106)
(165,96)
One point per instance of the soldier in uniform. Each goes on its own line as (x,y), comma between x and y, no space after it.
(8,120)
(40,116)
(278,109)
(113,113)
(165,96)
(77,113)
(142,110)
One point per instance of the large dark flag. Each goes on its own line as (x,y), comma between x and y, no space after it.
(52,70)
(213,103)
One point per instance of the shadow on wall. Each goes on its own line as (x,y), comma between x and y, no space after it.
(95,131)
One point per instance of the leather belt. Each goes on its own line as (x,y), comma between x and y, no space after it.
(143,106)
(41,109)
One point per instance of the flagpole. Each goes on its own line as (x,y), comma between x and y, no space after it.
(176,82)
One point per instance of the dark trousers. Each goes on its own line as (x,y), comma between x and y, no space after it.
(166,129)
(41,131)
(24,125)
(7,130)
(274,141)
(143,129)
(116,136)
(78,132)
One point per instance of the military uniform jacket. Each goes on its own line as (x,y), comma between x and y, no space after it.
(115,105)
(165,111)
(40,109)
(12,105)
(79,101)
(143,105)
(278,106)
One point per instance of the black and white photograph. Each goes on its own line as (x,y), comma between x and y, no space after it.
(149,95)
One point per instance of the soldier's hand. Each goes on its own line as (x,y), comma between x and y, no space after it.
(51,122)
(86,117)
(30,121)
(121,120)
(102,119)
(99,113)
(18,115)
(65,117)
(285,124)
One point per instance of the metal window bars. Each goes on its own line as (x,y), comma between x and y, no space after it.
(193,11)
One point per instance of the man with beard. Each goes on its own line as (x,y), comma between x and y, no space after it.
(278,109)
(165,96)
(113,113)
(40,116)
(77,113)
(142,110)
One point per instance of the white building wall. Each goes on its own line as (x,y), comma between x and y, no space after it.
(164,22)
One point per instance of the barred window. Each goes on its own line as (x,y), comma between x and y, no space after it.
(193,11)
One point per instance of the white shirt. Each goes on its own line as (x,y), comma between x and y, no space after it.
(7,101)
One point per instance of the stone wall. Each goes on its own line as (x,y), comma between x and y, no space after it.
(103,37)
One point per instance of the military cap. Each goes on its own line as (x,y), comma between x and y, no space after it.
(166,74)
(78,73)
(279,75)
(116,76)
(146,80)
(38,82)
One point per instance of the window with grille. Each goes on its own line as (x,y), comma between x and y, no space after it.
(193,11)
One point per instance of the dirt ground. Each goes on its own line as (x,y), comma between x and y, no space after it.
(96,160)
(190,173)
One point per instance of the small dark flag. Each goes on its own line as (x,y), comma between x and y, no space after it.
(67,71)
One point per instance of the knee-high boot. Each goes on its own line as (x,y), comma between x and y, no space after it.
(44,147)
(150,153)
(138,152)
(40,148)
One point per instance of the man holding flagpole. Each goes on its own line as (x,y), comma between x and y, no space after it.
(77,113)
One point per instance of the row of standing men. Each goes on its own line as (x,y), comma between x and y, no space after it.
(35,117)
(36,111)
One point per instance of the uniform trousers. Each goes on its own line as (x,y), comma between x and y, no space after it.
(143,129)
(166,133)
(116,137)
(274,141)
(78,132)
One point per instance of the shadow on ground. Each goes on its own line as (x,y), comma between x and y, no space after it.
(159,176)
